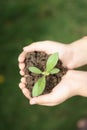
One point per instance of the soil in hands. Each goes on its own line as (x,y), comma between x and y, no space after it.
(39,59)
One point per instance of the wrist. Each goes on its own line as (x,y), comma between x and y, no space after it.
(78,82)
(79,49)
(82,84)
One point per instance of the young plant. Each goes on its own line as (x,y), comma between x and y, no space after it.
(50,69)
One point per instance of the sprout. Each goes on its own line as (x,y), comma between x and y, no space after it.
(39,86)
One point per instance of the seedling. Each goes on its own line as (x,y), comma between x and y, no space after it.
(50,69)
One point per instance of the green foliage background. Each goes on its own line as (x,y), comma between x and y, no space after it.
(23,22)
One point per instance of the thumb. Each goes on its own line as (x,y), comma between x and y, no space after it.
(57,96)
(43,99)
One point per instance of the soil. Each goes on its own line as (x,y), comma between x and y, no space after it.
(39,59)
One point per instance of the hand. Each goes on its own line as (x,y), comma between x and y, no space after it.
(73,83)
(49,47)
(72,55)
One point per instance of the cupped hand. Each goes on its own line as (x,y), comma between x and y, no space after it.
(68,87)
(49,47)
(72,55)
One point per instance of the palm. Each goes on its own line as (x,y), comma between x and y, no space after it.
(60,93)
(64,90)
(49,47)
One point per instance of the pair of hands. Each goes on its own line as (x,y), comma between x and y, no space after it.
(73,83)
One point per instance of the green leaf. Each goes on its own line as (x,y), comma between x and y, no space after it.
(35,70)
(39,87)
(52,61)
(54,71)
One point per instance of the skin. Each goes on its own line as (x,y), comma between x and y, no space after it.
(73,83)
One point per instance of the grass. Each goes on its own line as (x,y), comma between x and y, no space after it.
(23,22)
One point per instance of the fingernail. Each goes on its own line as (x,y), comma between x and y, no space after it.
(32,101)
(24,48)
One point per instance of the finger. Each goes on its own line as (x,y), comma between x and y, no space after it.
(26,93)
(21,85)
(43,104)
(46,99)
(38,46)
(21,57)
(59,94)
(22,73)
(23,80)
(21,66)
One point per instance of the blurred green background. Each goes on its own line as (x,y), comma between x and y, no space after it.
(23,22)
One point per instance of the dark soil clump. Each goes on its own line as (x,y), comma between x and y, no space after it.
(39,59)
